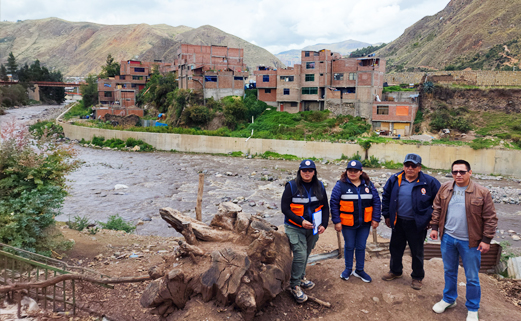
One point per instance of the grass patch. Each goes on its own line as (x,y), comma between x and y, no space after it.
(480,143)
(48,128)
(116,223)
(397,88)
(272,155)
(116,143)
(78,110)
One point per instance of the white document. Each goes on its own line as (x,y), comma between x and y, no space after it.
(317,220)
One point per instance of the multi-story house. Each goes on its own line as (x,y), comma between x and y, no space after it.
(218,71)
(325,80)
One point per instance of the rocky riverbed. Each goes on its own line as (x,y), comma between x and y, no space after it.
(151,181)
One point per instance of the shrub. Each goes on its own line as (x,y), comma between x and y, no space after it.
(234,112)
(116,222)
(32,187)
(372,162)
(79,223)
(98,141)
(47,128)
(197,115)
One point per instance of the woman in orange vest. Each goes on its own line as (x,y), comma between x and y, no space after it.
(355,207)
(306,214)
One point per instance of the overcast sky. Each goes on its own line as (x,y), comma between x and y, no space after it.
(275,25)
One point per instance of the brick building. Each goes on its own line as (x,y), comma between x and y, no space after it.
(347,86)
(133,76)
(217,70)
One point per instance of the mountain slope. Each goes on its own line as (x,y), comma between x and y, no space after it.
(80,48)
(463,32)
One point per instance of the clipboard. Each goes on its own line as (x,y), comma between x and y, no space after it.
(317,221)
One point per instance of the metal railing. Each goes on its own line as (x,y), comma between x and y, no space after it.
(20,266)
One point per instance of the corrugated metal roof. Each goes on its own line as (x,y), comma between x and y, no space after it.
(489,260)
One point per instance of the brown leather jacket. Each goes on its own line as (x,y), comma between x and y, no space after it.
(479,207)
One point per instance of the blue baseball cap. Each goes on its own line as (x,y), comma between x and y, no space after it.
(307,163)
(354,164)
(413,158)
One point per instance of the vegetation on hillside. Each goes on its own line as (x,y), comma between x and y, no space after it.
(362,52)
(89,91)
(158,92)
(502,56)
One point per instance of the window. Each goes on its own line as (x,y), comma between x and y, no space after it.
(108,94)
(338,76)
(286,91)
(306,53)
(316,53)
(382,110)
(377,124)
(352,76)
(139,69)
(137,77)
(287,78)
(122,77)
(238,78)
(294,104)
(310,65)
(309,90)
(267,91)
(134,85)
(210,78)
(310,77)
(265,78)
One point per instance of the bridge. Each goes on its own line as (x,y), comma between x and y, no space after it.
(34,86)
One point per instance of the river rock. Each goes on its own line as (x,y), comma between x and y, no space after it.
(516,237)
(120,186)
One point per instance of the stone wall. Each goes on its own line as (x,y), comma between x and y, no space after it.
(339,107)
(471,77)
(486,161)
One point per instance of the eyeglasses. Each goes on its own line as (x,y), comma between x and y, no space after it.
(307,170)
(459,172)
(411,165)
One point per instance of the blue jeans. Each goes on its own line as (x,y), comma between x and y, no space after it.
(451,250)
(354,242)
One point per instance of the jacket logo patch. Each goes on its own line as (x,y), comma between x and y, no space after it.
(424,191)
(367,190)
(349,191)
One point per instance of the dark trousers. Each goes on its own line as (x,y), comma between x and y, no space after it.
(405,231)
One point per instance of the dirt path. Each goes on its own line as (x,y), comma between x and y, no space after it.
(352,299)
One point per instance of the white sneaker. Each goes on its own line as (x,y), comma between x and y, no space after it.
(472,316)
(441,306)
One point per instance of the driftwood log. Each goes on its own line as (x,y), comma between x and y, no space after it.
(239,259)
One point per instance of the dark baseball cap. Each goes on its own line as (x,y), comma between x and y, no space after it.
(413,158)
(354,164)
(307,163)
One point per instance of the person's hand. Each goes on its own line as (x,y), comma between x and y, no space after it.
(307,225)
(321,229)
(388,222)
(374,224)
(338,227)
(483,247)
(434,235)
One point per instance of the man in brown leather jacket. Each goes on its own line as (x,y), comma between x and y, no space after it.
(465,219)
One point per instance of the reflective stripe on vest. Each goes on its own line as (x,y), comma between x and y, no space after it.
(355,196)
(298,200)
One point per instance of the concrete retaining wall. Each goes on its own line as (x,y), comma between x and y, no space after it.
(505,162)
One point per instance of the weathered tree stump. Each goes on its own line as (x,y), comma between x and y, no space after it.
(239,259)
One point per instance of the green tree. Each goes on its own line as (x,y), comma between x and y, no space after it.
(3,73)
(89,91)
(365,144)
(37,72)
(111,68)
(12,66)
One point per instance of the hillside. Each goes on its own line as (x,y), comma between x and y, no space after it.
(292,57)
(80,48)
(467,33)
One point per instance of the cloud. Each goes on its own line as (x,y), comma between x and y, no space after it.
(273,24)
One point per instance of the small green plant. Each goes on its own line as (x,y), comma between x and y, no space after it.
(48,128)
(79,223)
(93,230)
(236,154)
(116,223)
(372,162)
(356,156)
(391,165)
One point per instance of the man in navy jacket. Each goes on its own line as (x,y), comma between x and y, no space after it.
(407,208)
